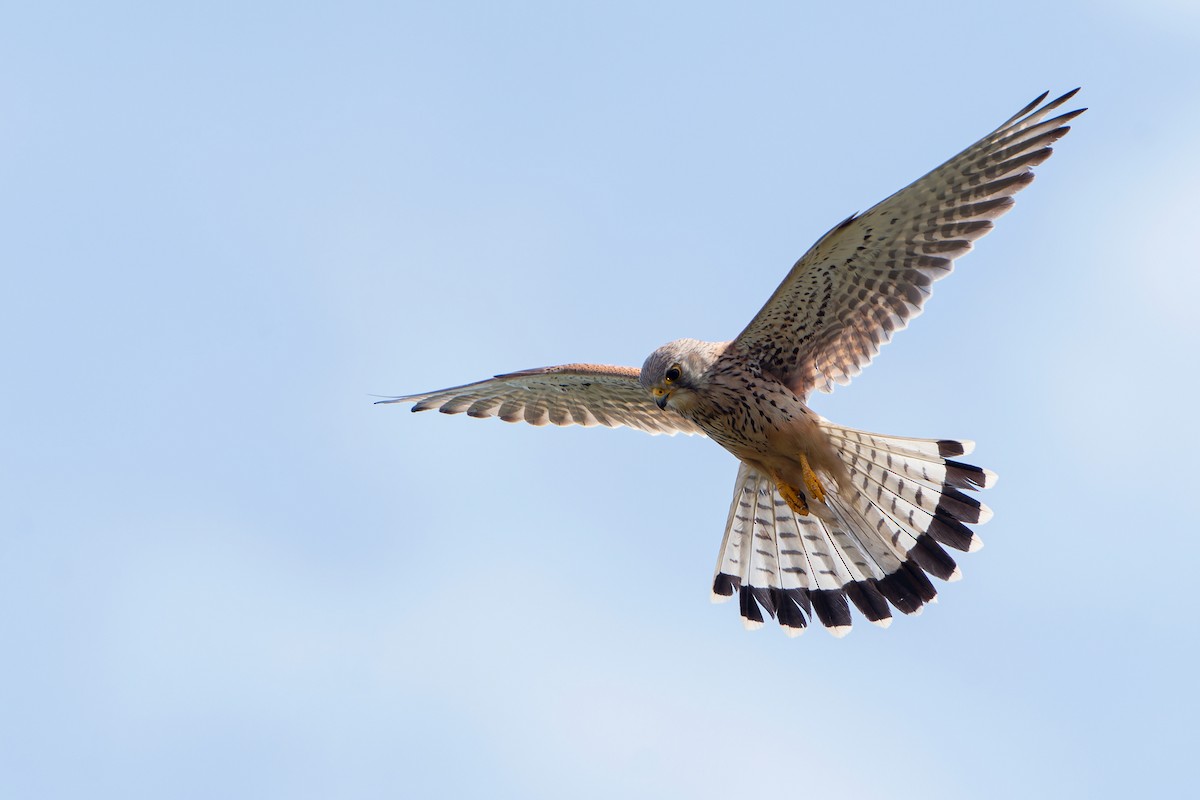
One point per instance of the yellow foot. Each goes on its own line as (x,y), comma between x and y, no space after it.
(811,480)
(793,498)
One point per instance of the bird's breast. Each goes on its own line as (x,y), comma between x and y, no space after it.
(763,422)
(742,410)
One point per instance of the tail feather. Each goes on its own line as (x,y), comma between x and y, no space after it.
(966,476)
(933,450)
(785,565)
(877,481)
(932,471)
(873,544)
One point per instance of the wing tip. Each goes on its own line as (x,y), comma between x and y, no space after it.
(1038,107)
(410,398)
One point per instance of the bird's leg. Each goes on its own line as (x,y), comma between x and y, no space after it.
(795,499)
(811,480)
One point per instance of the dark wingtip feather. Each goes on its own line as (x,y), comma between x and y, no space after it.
(1069,95)
(1067,117)
(1037,101)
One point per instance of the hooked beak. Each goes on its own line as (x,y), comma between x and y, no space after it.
(660,396)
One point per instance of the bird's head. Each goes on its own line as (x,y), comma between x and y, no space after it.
(674,372)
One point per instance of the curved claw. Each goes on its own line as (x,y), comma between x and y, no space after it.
(811,480)
(794,498)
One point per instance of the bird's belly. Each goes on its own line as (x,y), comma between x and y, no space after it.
(771,431)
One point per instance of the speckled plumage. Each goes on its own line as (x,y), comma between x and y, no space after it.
(823,516)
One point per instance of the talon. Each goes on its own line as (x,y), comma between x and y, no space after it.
(811,480)
(794,499)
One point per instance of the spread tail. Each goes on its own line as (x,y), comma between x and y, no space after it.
(884,537)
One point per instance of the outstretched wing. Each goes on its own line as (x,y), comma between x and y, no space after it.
(870,275)
(571,394)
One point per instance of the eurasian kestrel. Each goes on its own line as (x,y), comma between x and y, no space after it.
(822,515)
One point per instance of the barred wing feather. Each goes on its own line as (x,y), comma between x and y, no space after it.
(571,394)
(866,278)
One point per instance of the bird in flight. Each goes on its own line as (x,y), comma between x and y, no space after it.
(823,516)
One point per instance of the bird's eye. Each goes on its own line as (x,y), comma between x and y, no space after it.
(673,374)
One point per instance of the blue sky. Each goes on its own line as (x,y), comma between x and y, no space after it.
(224,572)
